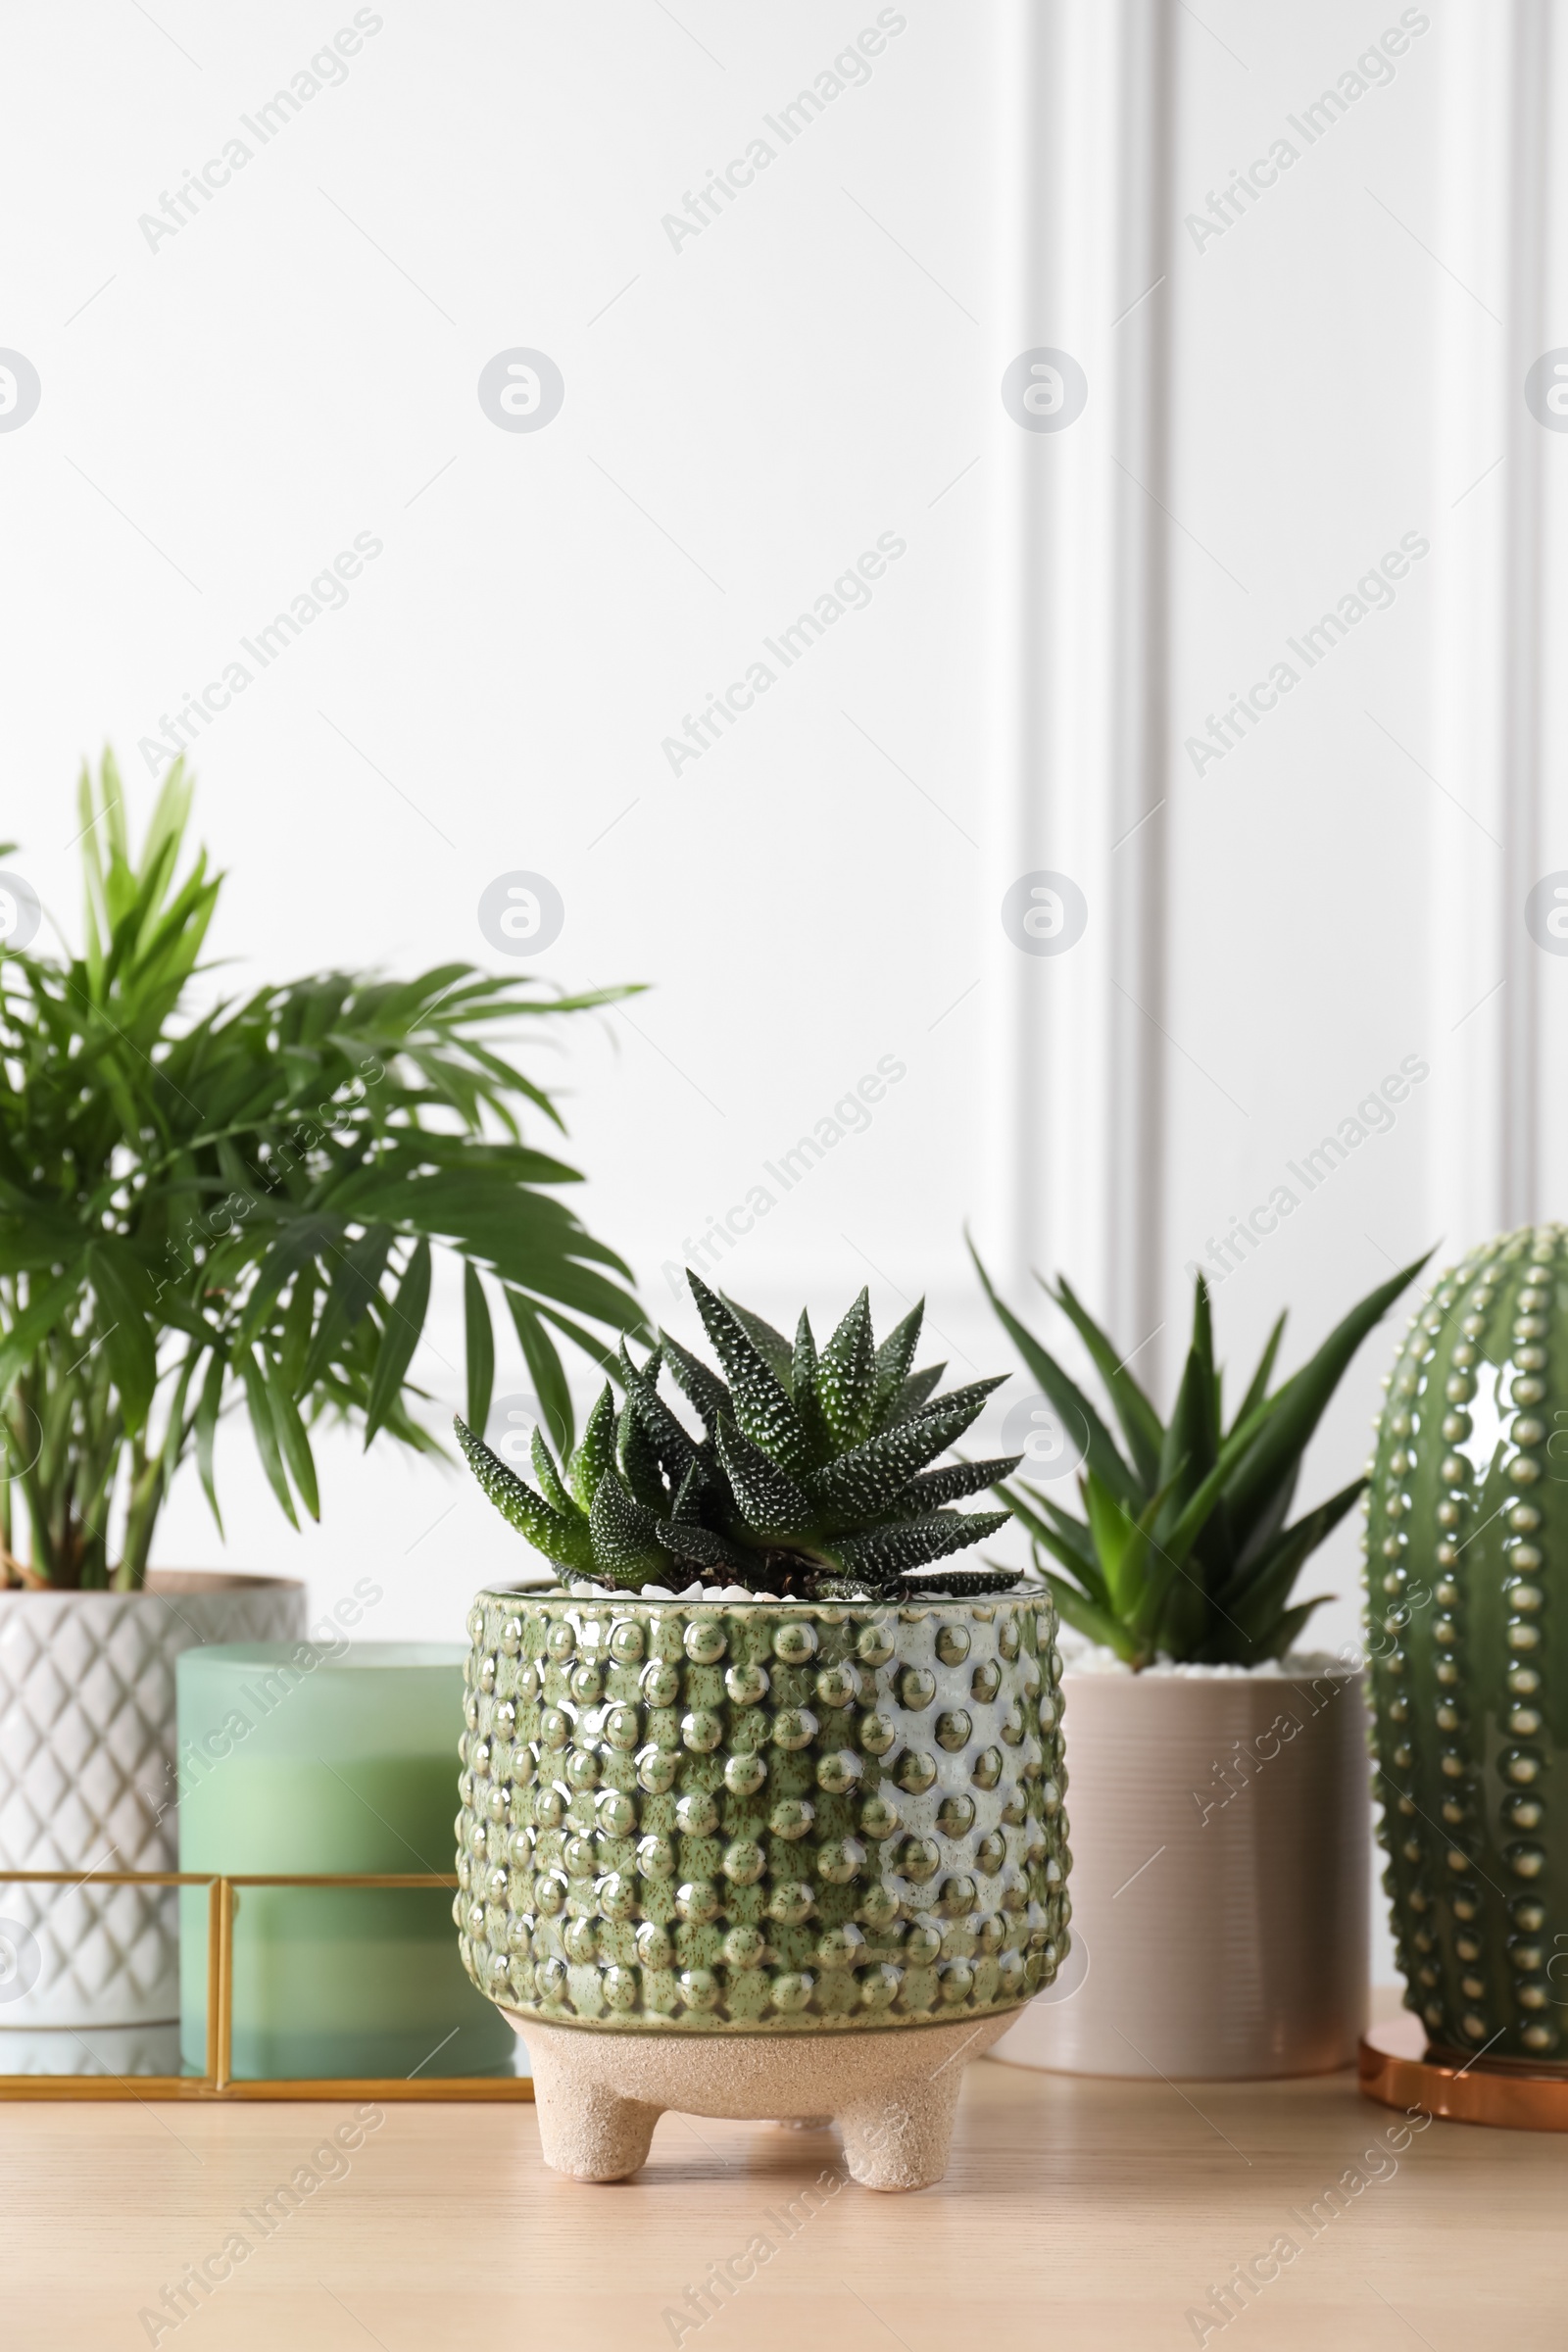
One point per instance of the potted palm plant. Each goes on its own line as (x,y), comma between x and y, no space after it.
(205,1209)
(1219,1775)
(761,1808)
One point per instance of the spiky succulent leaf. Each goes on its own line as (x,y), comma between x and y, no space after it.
(564,1540)
(959,1583)
(549,1477)
(845,1376)
(762,1412)
(686,1509)
(700,1544)
(893,1361)
(779,1495)
(803,1389)
(624,1535)
(912,1398)
(870,1478)
(933,1488)
(770,1345)
(597,1452)
(910,1544)
(674,1449)
(637,1461)
(701,1387)
(771,1502)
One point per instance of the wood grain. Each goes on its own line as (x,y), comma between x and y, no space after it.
(1077,2214)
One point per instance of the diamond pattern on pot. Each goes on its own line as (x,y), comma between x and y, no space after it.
(87,1782)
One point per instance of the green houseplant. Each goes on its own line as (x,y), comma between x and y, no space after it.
(205,1207)
(240,1204)
(1218,1781)
(788,1839)
(1183,1550)
(1467,1571)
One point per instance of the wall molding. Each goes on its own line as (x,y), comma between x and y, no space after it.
(1494,693)
(1076,1083)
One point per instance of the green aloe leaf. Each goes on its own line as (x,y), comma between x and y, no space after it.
(1100,1455)
(1255,1597)
(1298,1405)
(1140,1422)
(1258,1388)
(1095,1624)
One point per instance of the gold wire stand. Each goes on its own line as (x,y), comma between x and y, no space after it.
(219,2081)
(1398,2070)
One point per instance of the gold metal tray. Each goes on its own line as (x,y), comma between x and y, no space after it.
(219,2081)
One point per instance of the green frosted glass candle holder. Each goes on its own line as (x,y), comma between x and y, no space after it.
(329,1761)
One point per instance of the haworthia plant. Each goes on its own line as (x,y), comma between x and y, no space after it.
(1183,1550)
(811,1478)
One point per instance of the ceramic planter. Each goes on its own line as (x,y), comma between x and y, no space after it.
(743,1858)
(1467,1570)
(1220,1894)
(87,1782)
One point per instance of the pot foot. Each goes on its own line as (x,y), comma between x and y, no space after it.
(899,2138)
(586,2131)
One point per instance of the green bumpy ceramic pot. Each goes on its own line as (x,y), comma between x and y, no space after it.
(760,1817)
(1467,1563)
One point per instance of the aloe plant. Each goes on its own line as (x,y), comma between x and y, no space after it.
(810,1478)
(238,1207)
(1183,1550)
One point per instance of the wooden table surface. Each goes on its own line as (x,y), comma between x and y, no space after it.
(1076,2214)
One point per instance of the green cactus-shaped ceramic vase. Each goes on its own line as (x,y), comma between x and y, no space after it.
(738,1818)
(1467,1565)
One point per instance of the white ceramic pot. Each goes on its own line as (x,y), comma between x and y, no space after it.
(1221,1877)
(87,1783)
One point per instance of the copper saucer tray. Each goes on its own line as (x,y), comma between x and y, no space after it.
(219,2081)
(1397,2070)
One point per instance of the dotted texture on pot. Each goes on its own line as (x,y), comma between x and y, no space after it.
(1468,1568)
(760,1818)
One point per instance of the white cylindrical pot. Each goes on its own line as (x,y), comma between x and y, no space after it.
(1220,1838)
(87,1783)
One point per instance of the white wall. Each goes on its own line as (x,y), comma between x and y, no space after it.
(761,403)
(744,415)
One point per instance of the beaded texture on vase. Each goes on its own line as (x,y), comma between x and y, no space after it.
(760,1818)
(1467,1569)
